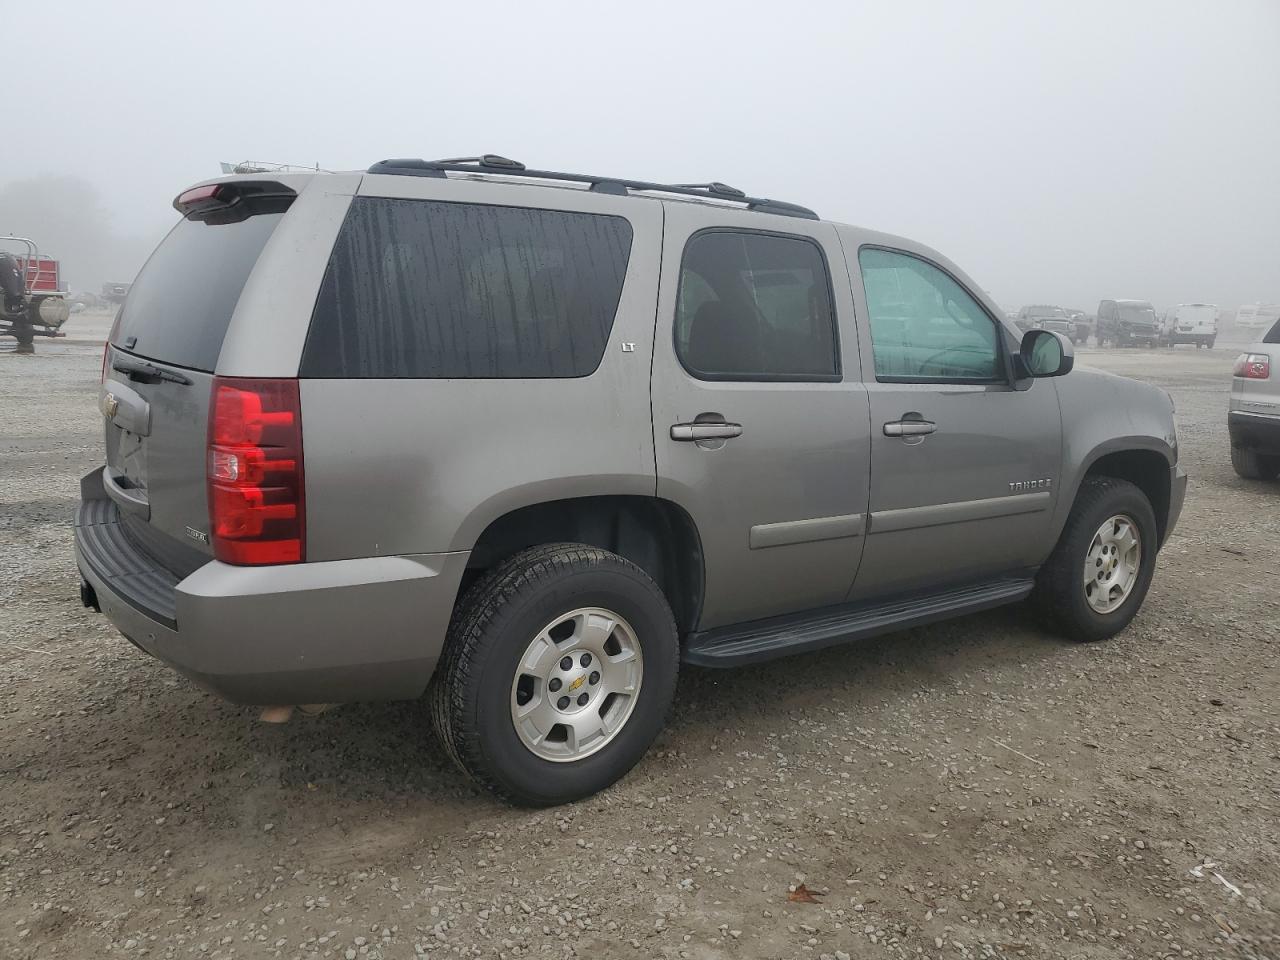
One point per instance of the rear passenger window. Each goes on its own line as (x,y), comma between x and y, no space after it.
(754,306)
(924,325)
(424,289)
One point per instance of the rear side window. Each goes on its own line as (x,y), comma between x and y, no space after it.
(1273,335)
(755,306)
(425,289)
(179,308)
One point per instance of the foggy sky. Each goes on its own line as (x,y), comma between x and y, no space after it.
(1060,153)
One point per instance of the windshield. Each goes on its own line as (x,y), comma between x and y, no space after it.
(1138,312)
(1048,313)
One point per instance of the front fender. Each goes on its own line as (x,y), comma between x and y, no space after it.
(1104,414)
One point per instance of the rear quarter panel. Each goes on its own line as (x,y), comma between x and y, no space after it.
(404,466)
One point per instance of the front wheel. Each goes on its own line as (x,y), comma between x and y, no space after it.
(557,674)
(1095,580)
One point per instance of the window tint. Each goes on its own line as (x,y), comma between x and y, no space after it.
(924,326)
(755,307)
(419,288)
(179,308)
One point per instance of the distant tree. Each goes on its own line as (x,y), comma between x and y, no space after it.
(66,217)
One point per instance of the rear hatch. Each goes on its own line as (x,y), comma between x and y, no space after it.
(158,369)
(1196,318)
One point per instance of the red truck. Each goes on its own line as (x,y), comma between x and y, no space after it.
(33,297)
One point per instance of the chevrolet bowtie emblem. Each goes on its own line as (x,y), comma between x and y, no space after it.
(577,683)
(110,404)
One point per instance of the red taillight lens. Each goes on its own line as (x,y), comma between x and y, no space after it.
(1253,366)
(256,493)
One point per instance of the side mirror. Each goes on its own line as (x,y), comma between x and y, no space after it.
(1044,353)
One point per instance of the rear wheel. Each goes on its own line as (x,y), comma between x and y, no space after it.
(558,671)
(1095,580)
(1252,465)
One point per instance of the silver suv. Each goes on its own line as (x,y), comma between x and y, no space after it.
(1253,417)
(526,441)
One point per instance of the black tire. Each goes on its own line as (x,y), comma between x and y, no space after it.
(1252,465)
(491,629)
(1059,594)
(1211,342)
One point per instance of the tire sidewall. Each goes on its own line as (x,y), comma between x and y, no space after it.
(521,773)
(1124,501)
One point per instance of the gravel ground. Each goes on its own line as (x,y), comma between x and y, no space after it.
(974,789)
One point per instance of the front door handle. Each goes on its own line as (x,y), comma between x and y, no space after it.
(705,431)
(909,428)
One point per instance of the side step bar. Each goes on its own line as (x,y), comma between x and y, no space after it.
(761,640)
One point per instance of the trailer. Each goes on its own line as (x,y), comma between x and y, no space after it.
(33,295)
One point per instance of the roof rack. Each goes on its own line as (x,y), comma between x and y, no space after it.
(494,164)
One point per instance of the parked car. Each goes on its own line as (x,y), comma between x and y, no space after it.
(371,435)
(1040,317)
(1125,322)
(1253,416)
(1191,323)
(1082,323)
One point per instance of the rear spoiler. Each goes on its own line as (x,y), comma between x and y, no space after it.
(231,201)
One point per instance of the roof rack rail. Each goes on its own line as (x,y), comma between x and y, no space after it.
(494,164)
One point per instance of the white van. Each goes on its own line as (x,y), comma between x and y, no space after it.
(1191,323)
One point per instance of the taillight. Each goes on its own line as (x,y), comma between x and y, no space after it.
(1253,366)
(256,494)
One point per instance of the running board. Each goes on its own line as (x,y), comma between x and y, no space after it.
(760,640)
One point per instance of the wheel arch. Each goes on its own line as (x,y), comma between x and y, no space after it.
(1142,461)
(655,534)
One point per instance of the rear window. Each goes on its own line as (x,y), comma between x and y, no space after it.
(427,289)
(179,308)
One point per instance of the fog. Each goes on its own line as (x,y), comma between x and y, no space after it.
(1061,153)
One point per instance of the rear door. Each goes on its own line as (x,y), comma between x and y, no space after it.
(759,418)
(964,466)
(159,366)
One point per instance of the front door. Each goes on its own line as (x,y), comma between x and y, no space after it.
(964,463)
(759,416)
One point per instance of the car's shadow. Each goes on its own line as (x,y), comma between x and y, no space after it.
(370,752)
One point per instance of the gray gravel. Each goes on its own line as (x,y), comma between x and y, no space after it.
(974,789)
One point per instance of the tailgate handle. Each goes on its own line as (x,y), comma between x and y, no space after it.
(127,500)
(125,407)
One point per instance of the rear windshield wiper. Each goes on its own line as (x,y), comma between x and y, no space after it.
(140,369)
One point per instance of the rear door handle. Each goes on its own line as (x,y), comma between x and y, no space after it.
(705,431)
(909,428)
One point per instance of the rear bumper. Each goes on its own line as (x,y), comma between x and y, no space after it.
(331,632)
(1258,431)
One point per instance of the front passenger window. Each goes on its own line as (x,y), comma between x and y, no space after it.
(924,325)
